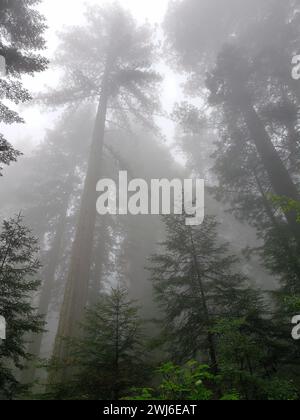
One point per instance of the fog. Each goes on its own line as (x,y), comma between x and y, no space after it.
(150,200)
(36,121)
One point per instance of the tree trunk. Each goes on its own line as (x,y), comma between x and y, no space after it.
(117,353)
(279,176)
(281,233)
(293,140)
(46,294)
(210,336)
(76,292)
(99,257)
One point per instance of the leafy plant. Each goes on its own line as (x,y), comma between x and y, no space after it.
(287,205)
(189,382)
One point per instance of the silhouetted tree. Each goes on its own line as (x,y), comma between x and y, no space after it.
(196,284)
(109,359)
(21,36)
(109,60)
(18,266)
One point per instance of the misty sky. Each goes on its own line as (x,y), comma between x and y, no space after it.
(60,13)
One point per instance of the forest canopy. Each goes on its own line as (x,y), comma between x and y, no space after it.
(150,200)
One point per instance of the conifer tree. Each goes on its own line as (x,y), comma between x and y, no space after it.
(108,61)
(253,359)
(196,285)
(18,266)
(50,189)
(256,101)
(109,358)
(21,37)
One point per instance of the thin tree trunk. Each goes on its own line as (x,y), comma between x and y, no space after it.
(46,294)
(294,86)
(293,140)
(210,336)
(117,356)
(99,260)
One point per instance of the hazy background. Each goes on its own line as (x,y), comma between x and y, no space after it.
(58,15)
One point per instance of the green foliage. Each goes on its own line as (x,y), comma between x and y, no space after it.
(196,284)
(109,359)
(189,382)
(278,389)
(18,266)
(231,397)
(248,362)
(22,28)
(110,44)
(185,383)
(253,103)
(7,153)
(209,309)
(292,304)
(287,205)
